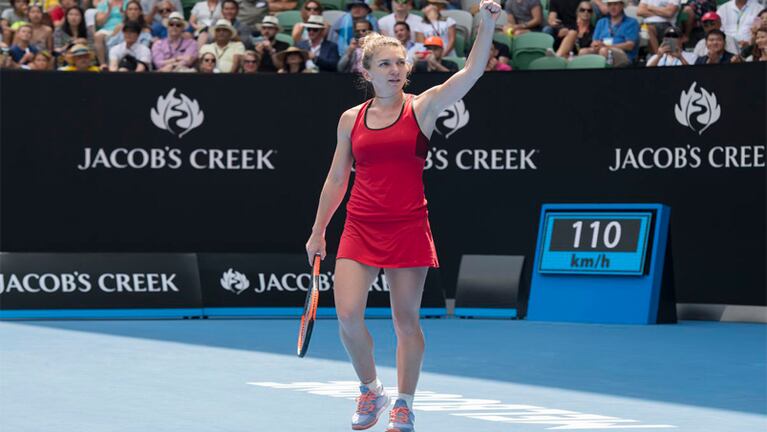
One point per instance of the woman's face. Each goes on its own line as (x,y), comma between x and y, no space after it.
(294,59)
(35,14)
(74,18)
(585,10)
(24,33)
(312,8)
(250,63)
(388,70)
(133,11)
(761,39)
(715,44)
(40,62)
(207,63)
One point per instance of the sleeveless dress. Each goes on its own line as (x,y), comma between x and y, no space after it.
(387,223)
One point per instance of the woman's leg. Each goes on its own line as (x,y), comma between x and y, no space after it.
(406,290)
(568,44)
(351,286)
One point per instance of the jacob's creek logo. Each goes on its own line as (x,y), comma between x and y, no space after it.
(237,282)
(84,282)
(178,115)
(698,110)
(456,117)
(234,281)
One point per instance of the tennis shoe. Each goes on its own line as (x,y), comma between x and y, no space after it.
(401,418)
(370,406)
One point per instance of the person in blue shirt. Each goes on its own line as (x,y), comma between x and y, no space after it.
(616,36)
(342,31)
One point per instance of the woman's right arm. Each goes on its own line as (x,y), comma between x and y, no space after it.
(334,189)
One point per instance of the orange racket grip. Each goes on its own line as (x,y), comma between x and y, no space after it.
(316,266)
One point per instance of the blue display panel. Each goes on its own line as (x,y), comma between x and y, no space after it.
(595,242)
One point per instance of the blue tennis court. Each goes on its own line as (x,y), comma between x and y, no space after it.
(478,375)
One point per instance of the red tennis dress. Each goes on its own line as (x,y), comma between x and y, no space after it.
(387,223)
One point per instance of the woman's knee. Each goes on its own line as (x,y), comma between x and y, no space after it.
(350,320)
(407,327)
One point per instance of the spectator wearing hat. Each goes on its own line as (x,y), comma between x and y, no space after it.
(523,16)
(71,31)
(130,55)
(351,61)
(243,32)
(159,28)
(562,18)
(712,21)
(401,13)
(434,24)
(432,60)
(250,61)
(342,31)
(659,15)
(670,51)
(228,52)
(207,63)
(174,52)
(715,43)
(323,54)
(293,60)
(268,45)
(22,51)
(310,8)
(80,59)
(15,14)
(616,36)
(737,16)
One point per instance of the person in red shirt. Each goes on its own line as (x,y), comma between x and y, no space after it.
(387,225)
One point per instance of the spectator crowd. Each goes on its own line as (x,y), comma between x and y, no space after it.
(310,36)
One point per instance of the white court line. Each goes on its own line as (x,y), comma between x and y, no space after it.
(479,409)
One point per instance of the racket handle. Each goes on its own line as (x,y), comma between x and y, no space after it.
(316,267)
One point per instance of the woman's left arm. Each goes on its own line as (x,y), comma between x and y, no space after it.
(437,98)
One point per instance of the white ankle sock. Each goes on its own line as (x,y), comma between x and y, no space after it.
(407,398)
(375,386)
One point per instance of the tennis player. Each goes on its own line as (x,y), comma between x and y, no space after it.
(387,223)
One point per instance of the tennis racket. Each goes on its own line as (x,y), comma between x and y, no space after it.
(310,310)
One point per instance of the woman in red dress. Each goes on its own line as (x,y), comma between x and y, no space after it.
(387,225)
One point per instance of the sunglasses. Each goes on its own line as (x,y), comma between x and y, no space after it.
(585,10)
(402,1)
(310,30)
(250,62)
(179,25)
(208,60)
(165,10)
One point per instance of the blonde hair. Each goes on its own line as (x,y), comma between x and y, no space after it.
(373,42)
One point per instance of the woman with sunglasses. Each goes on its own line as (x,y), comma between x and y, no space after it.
(250,61)
(207,63)
(310,8)
(386,139)
(580,38)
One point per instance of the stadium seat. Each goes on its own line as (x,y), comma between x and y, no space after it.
(528,47)
(460,45)
(333,5)
(380,14)
(331,16)
(588,61)
(288,19)
(460,61)
(548,63)
(463,20)
(284,38)
(502,38)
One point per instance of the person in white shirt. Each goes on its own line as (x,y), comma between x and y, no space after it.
(711,21)
(130,55)
(670,51)
(659,15)
(737,17)
(402,10)
(434,24)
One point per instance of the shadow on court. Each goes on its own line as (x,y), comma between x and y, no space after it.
(713,365)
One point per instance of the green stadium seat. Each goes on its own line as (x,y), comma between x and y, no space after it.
(380,14)
(503,38)
(332,4)
(288,19)
(460,61)
(533,41)
(548,63)
(523,59)
(460,45)
(588,61)
(284,38)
